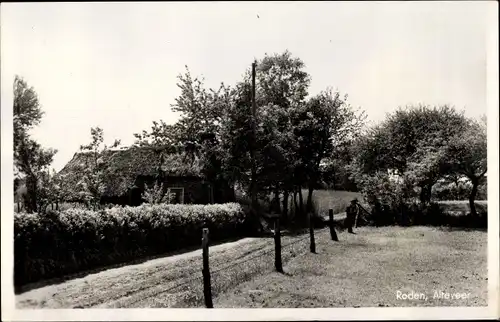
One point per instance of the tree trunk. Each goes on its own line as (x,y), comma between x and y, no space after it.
(472,197)
(425,193)
(285,203)
(422,194)
(295,205)
(276,201)
(309,198)
(31,194)
(301,203)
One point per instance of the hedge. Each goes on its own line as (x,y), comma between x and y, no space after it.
(60,243)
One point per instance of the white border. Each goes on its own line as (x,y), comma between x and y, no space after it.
(10,313)
(492,101)
(350,314)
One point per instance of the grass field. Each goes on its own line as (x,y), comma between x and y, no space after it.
(324,200)
(339,200)
(366,269)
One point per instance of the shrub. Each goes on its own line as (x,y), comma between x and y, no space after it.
(395,202)
(60,243)
(460,191)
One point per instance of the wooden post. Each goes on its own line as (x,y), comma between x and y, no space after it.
(311,234)
(277,246)
(333,233)
(207,288)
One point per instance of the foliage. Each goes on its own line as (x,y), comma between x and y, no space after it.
(216,126)
(392,198)
(92,185)
(412,143)
(156,194)
(460,190)
(281,80)
(74,240)
(198,130)
(53,189)
(31,160)
(469,156)
(324,127)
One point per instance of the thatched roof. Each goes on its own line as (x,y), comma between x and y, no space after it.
(122,167)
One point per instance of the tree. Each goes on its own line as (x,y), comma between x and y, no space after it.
(411,140)
(294,135)
(92,184)
(323,127)
(30,159)
(200,111)
(468,154)
(282,82)
(235,132)
(197,134)
(53,190)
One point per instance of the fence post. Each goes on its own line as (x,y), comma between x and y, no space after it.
(333,233)
(207,288)
(277,246)
(311,233)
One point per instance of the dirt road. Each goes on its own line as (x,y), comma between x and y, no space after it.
(174,281)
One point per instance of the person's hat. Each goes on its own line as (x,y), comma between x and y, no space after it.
(355,200)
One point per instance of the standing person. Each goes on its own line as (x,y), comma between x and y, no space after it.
(352,211)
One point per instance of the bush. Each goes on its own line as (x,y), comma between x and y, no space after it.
(462,191)
(395,202)
(60,243)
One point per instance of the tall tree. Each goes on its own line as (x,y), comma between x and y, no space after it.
(282,82)
(468,154)
(323,126)
(236,134)
(30,159)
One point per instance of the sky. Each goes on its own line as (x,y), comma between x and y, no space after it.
(115,65)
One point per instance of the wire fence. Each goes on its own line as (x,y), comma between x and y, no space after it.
(190,292)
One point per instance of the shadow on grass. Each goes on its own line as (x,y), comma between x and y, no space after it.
(447,228)
(19,289)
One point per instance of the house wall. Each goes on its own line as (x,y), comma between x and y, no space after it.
(196,191)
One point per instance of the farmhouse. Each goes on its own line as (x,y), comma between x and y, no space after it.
(126,173)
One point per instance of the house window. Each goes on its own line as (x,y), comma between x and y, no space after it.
(175,195)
